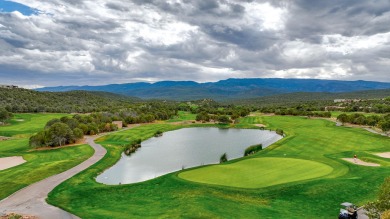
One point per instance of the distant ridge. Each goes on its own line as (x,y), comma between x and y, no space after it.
(228,89)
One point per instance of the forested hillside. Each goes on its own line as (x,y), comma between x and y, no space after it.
(292,99)
(23,100)
(230,89)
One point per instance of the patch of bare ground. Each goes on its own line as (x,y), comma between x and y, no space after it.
(3,138)
(260,125)
(385,154)
(8,162)
(78,142)
(360,162)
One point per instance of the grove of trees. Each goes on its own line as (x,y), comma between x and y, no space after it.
(381,121)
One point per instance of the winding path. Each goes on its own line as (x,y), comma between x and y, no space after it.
(31,199)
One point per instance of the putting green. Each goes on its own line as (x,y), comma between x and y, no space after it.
(258,172)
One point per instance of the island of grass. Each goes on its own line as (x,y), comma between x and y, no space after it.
(309,178)
(258,172)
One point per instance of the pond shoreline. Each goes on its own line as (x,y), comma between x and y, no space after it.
(172,152)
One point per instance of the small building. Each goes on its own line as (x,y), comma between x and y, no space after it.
(8,86)
(333,108)
(119,124)
(339,100)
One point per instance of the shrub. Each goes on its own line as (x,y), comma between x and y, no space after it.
(223,158)
(279,131)
(133,147)
(378,208)
(253,149)
(158,133)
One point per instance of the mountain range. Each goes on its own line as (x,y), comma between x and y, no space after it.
(229,89)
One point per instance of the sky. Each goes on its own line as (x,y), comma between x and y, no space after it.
(96,42)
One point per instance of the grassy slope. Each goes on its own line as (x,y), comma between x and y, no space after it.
(258,172)
(183,116)
(169,196)
(40,164)
(23,125)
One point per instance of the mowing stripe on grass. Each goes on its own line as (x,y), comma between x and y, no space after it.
(258,172)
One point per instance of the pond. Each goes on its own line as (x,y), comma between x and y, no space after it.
(183,148)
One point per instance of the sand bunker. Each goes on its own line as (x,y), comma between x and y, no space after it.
(385,154)
(3,138)
(260,125)
(8,162)
(360,162)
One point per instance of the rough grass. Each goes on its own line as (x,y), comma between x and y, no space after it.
(40,164)
(25,124)
(258,172)
(183,116)
(169,196)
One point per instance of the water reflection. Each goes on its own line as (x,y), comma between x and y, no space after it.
(184,148)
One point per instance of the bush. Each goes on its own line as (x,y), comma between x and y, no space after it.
(253,149)
(224,119)
(279,132)
(378,208)
(223,158)
(158,133)
(4,115)
(133,147)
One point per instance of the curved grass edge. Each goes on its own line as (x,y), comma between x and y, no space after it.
(239,174)
(167,181)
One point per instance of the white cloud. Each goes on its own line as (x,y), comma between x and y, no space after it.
(348,45)
(264,16)
(123,41)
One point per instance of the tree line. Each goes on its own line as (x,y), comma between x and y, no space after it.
(68,130)
(380,121)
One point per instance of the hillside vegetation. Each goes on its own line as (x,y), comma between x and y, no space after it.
(23,100)
(230,89)
(313,149)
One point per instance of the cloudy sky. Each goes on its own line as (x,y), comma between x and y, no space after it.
(91,42)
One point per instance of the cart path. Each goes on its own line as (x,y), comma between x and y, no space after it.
(31,200)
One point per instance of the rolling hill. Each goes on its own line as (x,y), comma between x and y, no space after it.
(227,89)
(24,100)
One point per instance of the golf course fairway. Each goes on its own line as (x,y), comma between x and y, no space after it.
(311,177)
(258,172)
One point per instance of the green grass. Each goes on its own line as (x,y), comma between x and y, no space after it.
(40,164)
(23,125)
(258,172)
(183,116)
(316,144)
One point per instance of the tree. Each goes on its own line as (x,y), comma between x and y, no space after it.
(51,122)
(343,118)
(223,119)
(377,208)
(384,125)
(39,140)
(59,134)
(78,133)
(4,115)
(203,116)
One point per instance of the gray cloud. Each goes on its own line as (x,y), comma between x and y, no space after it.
(100,42)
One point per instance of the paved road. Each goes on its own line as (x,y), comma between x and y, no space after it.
(31,199)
